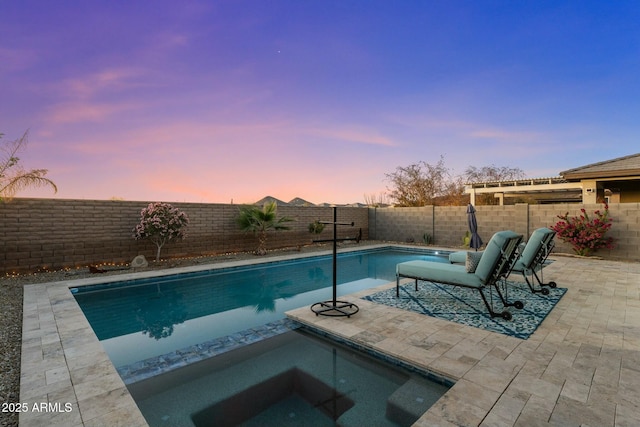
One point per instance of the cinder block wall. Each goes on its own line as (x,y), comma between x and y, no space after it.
(492,219)
(446,224)
(57,233)
(401,224)
(450,224)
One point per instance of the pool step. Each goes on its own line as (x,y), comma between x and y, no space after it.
(410,401)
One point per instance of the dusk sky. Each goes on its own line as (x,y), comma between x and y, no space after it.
(213,101)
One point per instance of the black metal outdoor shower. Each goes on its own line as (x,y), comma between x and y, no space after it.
(335,308)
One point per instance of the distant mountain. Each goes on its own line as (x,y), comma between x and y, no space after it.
(298,201)
(269,199)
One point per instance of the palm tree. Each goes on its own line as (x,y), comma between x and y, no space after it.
(259,221)
(13,177)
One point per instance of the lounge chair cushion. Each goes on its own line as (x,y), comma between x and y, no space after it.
(532,248)
(439,272)
(492,254)
(459,257)
(472,260)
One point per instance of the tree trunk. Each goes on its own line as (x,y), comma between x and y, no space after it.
(262,243)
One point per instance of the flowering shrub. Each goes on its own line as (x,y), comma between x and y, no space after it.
(584,234)
(160,223)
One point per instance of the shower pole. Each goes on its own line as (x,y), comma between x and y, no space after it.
(335,308)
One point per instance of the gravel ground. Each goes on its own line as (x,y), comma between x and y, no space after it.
(10,342)
(11,293)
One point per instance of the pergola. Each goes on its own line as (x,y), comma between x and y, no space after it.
(616,181)
(544,189)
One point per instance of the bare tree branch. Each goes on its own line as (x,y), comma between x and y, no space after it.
(419,184)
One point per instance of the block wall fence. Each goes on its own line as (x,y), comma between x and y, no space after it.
(447,224)
(57,233)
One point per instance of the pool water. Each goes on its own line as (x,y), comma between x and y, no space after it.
(144,319)
(294,379)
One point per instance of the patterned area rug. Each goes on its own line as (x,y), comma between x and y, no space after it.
(464,305)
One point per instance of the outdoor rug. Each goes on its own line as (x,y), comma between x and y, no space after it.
(465,306)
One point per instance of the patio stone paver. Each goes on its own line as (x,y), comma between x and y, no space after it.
(577,369)
(580,368)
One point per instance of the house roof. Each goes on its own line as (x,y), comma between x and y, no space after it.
(619,167)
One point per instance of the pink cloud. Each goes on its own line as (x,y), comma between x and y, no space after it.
(353,134)
(467,128)
(111,79)
(80,96)
(505,135)
(78,112)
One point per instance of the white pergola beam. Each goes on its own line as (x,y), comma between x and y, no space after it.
(520,188)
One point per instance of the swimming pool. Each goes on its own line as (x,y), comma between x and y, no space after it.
(170,320)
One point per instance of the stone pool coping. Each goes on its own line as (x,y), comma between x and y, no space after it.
(580,367)
(66,376)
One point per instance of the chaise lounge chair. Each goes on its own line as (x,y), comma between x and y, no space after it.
(531,258)
(495,263)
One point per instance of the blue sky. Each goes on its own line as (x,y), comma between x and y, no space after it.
(234,100)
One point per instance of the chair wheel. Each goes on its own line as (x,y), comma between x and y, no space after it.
(544,291)
(553,284)
(519,305)
(506,315)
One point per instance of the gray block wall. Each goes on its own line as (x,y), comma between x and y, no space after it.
(58,233)
(448,224)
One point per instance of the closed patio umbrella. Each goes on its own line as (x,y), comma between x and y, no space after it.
(475,241)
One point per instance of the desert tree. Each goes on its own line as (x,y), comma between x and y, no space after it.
(453,193)
(376,200)
(491,173)
(419,184)
(13,177)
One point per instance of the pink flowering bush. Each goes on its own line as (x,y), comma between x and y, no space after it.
(585,234)
(161,223)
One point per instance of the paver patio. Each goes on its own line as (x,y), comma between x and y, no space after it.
(581,367)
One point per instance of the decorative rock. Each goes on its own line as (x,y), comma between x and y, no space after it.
(139,262)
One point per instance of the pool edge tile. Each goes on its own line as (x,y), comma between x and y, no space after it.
(58,371)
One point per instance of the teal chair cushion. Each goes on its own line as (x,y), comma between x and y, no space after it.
(459,257)
(491,254)
(439,272)
(532,248)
